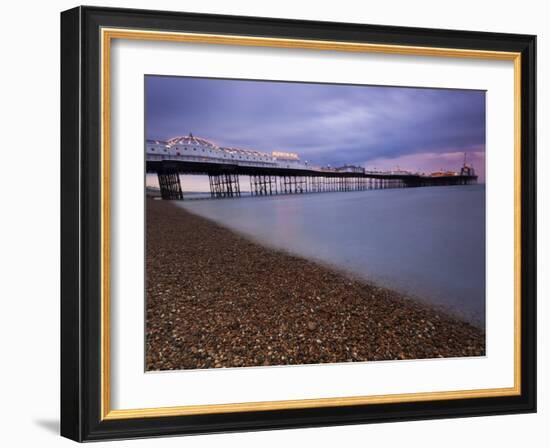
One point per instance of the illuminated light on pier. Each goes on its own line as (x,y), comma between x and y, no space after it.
(273,173)
(280,155)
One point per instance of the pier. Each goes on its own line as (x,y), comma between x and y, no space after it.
(277,173)
(225,179)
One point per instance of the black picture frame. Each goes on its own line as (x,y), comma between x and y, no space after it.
(81,224)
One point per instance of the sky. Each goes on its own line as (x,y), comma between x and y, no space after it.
(416,129)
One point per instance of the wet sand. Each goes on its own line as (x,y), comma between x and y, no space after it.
(217,299)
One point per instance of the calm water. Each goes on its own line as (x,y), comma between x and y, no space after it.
(424,242)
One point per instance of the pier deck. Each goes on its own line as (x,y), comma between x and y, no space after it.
(224,179)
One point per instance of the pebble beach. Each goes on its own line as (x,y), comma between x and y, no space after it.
(217,299)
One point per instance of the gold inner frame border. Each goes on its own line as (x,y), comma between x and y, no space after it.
(107,36)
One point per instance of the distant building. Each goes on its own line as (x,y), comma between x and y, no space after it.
(443,173)
(197,149)
(157,146)
(401,172)
(467,170)
(202,150)
(350,169)
(286,156)
(287,159)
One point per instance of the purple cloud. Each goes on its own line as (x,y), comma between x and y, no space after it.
(324,123)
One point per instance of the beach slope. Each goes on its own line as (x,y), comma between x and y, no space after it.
(217,299)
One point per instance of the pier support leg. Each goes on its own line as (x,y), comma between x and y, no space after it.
(224,185)
(169,182)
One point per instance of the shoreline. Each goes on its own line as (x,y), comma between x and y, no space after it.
(347,274)
(217,299)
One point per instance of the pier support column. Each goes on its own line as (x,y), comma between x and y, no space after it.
(224,185)
(286,184)
(261,185)
(169,182)
(301,184)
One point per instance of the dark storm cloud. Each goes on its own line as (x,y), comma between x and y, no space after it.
(326,124)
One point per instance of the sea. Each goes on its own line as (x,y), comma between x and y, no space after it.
(427,243)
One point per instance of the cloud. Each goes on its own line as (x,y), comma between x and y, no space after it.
(324,123)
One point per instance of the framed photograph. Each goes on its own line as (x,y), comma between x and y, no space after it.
(276,224)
